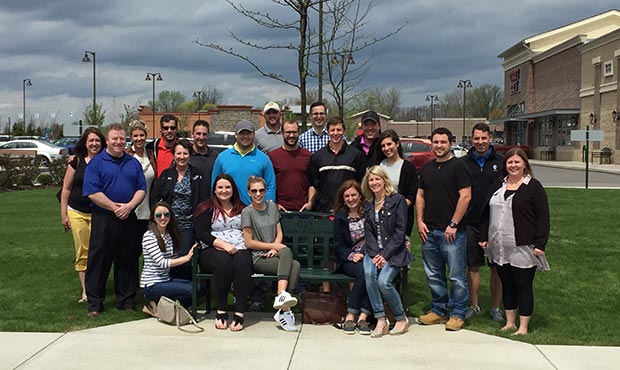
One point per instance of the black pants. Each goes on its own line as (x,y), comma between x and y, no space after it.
(227,269)
(517,288)
(112,240)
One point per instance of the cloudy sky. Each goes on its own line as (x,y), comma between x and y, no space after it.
(446,40)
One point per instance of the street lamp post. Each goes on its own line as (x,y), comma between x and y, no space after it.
(86,59)
(25,83)
(199,95)
(464,84)
(153,77)
(433,99)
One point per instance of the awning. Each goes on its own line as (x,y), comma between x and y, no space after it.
(546,113)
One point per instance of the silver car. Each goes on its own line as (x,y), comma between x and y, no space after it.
(46,151)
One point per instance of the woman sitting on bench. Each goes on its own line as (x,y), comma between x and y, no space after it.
(385,220)
(218,228)
(262,233)
(349,250)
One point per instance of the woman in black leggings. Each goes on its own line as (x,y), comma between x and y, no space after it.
(218,228)
(515,234)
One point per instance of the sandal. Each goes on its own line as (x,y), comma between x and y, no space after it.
(222,318)
(237,323)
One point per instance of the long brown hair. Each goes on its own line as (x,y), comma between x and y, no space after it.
(172,228)
(214,203)
(339,204)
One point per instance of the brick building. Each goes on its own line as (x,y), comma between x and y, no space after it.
(544,86)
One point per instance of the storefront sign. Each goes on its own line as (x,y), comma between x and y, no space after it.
(515,81)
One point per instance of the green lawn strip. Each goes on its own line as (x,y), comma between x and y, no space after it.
(574,302)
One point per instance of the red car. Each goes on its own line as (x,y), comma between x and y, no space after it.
(417,151)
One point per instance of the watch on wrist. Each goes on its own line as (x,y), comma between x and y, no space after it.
(453,224)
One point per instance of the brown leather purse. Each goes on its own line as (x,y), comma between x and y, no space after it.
(323,307)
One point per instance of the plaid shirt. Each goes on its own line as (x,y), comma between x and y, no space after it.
(311,141)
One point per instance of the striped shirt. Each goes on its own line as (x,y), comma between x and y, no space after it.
(156,267)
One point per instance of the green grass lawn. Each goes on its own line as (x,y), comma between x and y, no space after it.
(575,302)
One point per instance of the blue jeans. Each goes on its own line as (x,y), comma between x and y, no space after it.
(174,289)
(378,283)
(436,253)
(358,299)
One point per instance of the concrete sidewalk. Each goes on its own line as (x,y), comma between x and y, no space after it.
(581,166)
(148,344)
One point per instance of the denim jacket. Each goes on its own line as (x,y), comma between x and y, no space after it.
(392,221)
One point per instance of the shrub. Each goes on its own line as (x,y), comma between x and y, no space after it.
(29,171)
(57,170)
(9,172)
(44,179)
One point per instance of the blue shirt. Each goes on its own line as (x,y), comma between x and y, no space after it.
(312,142)
(117,178)
(241,167)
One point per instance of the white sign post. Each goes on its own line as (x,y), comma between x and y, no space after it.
(587,135)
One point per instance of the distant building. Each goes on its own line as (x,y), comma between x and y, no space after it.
(555,81)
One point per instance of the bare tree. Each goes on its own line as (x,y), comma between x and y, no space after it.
(299,24)
(382,101)
(345,21)
(212,95)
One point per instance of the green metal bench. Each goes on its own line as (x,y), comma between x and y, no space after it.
(310,237)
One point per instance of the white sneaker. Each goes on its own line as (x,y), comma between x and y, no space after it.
(286,320)
(284,301)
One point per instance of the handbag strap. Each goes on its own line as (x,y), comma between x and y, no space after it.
(177,314)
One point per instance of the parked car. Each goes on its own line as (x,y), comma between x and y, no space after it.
(458,151)
(221,139)
(67,142)
(505,148)
(417,151)
(46,152)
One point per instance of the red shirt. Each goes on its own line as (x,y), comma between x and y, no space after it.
(291,168)
(164,157)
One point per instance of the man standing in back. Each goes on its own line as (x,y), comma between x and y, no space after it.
(368,142)
(290,163)
(485,166)
(244,160)
(269,137)
(332,165)
(316,137)
(115,184)
(203,157)
(444,192)
(160,149)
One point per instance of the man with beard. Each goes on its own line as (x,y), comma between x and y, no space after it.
(444,192)
(161,149)
(290,163)
(244,160)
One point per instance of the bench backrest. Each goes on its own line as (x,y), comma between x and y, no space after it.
(310,235)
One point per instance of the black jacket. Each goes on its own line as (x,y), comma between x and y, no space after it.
(164,186)
(375,154)
(483,179)
(408,187)
(342,239)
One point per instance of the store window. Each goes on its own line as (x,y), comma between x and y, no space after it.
(545,131)
(566,123)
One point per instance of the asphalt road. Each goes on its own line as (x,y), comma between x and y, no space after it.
(559,177)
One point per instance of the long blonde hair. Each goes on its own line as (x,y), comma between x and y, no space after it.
(377,171)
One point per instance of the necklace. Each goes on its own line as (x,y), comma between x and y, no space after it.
(377,202)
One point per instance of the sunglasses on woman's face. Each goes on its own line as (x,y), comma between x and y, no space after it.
(257,191)
(160,215)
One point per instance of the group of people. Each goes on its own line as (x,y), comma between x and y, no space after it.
(172,198)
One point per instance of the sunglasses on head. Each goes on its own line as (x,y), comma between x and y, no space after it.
(160,215)
(257,191)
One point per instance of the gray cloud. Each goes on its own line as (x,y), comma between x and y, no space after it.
(444,42)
